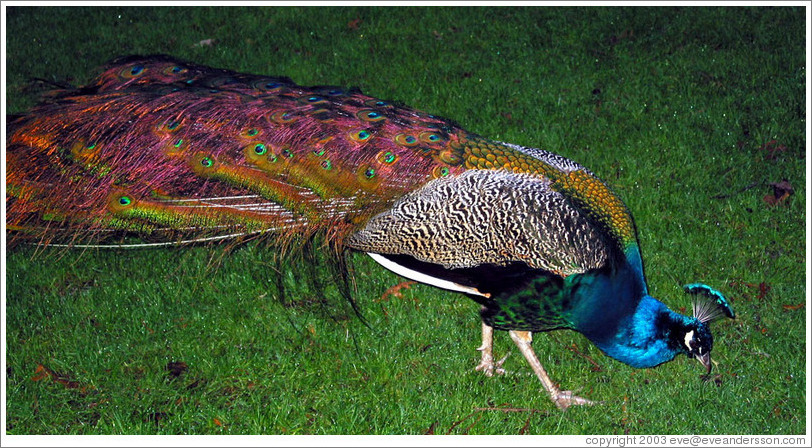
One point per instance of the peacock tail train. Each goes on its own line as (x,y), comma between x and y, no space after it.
(175,151)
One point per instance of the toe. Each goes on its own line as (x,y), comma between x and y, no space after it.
(566,399)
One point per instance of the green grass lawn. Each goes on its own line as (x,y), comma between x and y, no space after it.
(690,114)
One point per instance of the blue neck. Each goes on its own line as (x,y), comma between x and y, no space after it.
(613,309)
(646,338)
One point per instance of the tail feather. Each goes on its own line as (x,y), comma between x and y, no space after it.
(181,152)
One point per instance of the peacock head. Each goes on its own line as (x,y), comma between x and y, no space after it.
(708,305)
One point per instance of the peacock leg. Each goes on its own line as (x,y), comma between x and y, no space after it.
(562,399)
(486,365)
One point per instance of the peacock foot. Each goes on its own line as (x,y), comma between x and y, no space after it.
(566,398)
(489,367)
(486,365)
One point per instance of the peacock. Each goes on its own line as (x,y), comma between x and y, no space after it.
(176,153)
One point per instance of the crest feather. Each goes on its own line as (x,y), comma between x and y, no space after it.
(708,304)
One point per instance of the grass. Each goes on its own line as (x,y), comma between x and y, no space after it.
(688,113)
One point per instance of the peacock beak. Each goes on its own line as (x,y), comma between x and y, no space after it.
(706,361)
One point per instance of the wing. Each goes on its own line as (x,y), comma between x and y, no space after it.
(508,222)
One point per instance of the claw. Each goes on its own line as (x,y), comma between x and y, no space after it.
(499,363)
(485,367)
(488,367)
(566,398)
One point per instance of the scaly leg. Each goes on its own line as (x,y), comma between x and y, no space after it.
(562,399)
(486,365)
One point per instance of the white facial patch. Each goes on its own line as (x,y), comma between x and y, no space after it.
(688,337)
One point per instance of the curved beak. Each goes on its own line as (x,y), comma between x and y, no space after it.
(705,360)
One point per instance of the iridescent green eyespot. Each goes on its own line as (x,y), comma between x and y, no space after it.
(406,140)
(361,135)
(370,115)
(282,117)
(441,171)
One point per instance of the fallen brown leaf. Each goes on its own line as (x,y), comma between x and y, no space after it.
(782,188)
(781,191)
(396,290)
(794,307)
(43,373)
